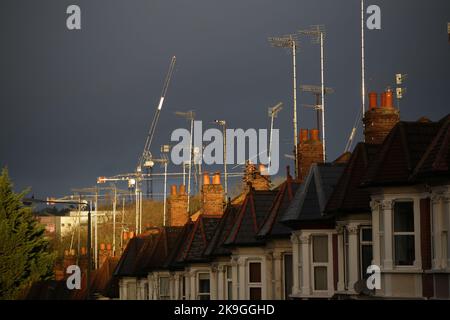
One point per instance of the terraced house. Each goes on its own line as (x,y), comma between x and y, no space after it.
(313,236)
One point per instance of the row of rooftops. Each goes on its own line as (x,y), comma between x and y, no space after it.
(413,152)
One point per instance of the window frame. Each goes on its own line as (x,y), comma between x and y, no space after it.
(314,265)
(362,273)
(251,285)
(404,233)
(160,296)
(203,294)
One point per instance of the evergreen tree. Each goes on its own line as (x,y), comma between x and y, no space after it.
(24,251)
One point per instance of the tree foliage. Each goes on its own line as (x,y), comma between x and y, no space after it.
(24,251)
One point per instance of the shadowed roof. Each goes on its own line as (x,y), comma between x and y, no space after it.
(252,213)
(311,198)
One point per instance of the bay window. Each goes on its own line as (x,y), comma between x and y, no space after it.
(404,248)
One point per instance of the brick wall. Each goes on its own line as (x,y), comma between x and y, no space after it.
(177,211)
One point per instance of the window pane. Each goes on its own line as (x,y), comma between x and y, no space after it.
(203,283)
(255,272)
(288,282)
(320,248)
(164,287)
(366,259)
(229,272)
(404,250)
(320,278)
(403,217)
(366,234)
(255,294)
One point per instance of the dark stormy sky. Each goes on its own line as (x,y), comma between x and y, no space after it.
(77,104)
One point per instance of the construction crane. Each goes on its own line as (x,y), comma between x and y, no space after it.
(145,160)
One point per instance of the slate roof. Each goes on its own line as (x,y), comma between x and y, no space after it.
(310,200)
(127,263)
(197,241)
(400,153)
(436,160)
(272,227)
(348,196)
(215,246)
(252,213)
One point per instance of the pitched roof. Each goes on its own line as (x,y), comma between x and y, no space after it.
(252,213)
(203,229)
(127,263)
(215,246)
(272,227)
(400,153)
(311,198)
(436,160)
(347,196)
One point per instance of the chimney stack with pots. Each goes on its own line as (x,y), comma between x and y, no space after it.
(178,214)
(379,120)
(256,176)
(212,195)
(309,151)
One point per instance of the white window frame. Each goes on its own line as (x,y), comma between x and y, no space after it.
(199,294)
(404,233)
(254,284)
(320,264)
(229,281)
(364,243)
(160,296)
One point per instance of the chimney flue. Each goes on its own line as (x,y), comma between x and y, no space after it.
(206,178)
(373,100)
(216,178)
(173,190)
(182,189)
(314,134)
(389,99)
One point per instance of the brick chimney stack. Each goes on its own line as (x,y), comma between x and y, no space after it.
(256,176)
(212,195)
(379,121)
(310,151)
(177,206)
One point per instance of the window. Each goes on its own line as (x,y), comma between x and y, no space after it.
(145,297)
(131,291)
(255,281)
(229,274)
(183,288)
(320,262)
(288,281)
(404,248)
(203,286)
(346,258)
(365,248)
(164,292)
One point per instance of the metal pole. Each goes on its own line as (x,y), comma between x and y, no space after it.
(190,163)
(140,211)
(114,221)
(165,194)
(322,95)
(225,158)
(293,44)
(89,257)
(96,230)
(137,209)
(270,140)
(79,229)
(123,218)
(363,71)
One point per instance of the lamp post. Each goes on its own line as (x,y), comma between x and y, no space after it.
(28,201)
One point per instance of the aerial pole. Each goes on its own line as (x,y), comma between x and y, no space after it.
(363,67)
(272,114)
(223,124)
(114,220)
(290,41)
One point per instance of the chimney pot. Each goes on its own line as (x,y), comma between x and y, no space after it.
(314,134)
(83,251)
(383,100)
(303,135)
(262,169)
(373,100)
(389,99)
(102,246)
(131,234)
(125,235)
(216,178)
(182,189)
(173,190)
(206,178)
(109,247)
